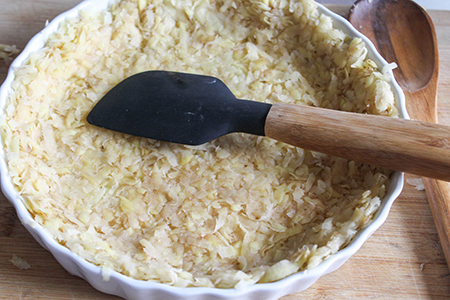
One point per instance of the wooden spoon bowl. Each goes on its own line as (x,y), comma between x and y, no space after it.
(390,24)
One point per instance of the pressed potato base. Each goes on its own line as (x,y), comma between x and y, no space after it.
(238,210)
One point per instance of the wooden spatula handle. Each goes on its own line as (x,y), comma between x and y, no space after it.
(410,146)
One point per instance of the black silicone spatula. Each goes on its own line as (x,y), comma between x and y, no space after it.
(177,107)
(194,109)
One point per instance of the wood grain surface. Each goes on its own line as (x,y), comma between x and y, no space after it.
(402,145)
(402,260)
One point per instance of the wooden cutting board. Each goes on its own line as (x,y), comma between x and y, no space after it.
(402,260)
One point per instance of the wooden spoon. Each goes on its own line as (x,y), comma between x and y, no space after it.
(404,33)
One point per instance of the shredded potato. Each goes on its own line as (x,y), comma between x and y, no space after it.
(20,263)
(7,52)
(239,210)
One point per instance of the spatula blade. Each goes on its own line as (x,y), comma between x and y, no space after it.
(175,107)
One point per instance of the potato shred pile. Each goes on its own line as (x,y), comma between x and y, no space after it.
(236,211)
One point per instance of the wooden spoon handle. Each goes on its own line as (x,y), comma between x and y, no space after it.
(438,193)
(410,146)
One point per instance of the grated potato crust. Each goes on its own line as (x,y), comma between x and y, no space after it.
(239,210)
